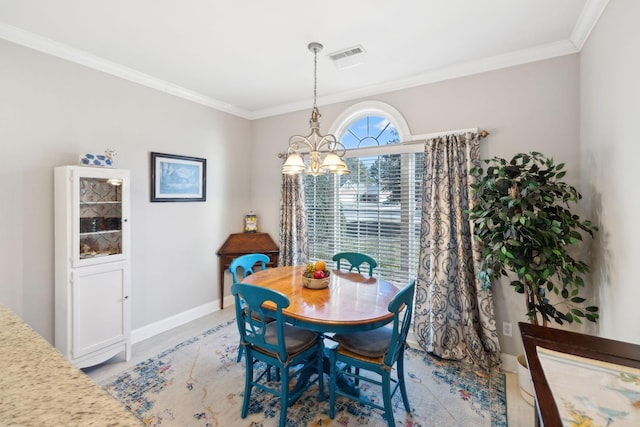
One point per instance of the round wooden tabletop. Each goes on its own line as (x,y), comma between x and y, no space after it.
(352,302)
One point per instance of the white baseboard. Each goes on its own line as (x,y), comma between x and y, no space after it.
(148,331)
(229,300)
(509,362)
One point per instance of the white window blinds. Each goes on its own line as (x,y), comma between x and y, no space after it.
(375,210)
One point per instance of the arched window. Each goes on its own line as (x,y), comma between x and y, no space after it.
(376,209)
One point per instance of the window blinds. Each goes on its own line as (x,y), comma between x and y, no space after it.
(375,210)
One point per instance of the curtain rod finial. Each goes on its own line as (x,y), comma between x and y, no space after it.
(483,134)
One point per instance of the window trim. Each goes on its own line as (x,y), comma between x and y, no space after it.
(373,108)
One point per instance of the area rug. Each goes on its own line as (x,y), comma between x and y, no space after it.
(199,383)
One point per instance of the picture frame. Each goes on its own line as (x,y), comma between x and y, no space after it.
(177,178)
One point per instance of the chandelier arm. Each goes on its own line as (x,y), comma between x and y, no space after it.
(296,140)
(339,149)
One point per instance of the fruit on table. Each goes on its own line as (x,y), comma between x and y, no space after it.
(313,268)
(318,274)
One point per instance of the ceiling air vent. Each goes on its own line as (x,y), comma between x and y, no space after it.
(347,58)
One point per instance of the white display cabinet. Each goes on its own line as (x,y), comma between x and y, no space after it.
(92,267)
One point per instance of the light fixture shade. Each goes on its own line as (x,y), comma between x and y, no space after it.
(334,164)
(342,168)
(293,165)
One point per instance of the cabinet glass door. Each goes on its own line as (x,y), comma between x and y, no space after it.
(100,225)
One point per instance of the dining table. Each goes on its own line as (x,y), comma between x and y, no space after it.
(351,302)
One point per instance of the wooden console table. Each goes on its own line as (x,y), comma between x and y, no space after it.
(245,243)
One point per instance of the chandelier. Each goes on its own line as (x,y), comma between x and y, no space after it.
(315,144)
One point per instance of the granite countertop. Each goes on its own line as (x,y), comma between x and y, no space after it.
(39,387)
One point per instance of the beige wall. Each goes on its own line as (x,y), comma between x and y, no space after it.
(52,110)
(532,107)
(610,111)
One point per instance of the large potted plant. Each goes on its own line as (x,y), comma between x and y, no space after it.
(522,217)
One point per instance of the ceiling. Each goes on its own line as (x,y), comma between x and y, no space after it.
(250,57)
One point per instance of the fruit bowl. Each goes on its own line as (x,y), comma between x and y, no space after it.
(316,275)
(312,283)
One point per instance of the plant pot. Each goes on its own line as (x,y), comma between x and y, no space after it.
(524,380)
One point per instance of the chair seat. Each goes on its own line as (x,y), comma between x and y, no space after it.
(296,339)
(374,343)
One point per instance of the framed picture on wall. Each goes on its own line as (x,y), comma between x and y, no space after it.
(178,178)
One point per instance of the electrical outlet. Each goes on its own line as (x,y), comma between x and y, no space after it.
(506,329)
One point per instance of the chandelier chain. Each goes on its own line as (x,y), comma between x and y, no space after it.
(315,77)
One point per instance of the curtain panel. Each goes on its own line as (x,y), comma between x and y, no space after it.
(454,317)
(294,236)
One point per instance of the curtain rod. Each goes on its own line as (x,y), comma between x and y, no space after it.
(421,138)
(418,139)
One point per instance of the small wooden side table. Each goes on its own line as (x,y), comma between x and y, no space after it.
(244,243)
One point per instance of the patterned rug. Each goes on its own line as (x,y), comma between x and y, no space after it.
(199,383)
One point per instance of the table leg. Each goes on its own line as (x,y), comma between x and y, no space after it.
(342,382)
(221,277)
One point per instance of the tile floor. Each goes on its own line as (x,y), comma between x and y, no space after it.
(519,412)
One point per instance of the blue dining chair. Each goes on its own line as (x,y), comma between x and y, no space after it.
(376,351)
(246,263)
(276,344)
(355,260)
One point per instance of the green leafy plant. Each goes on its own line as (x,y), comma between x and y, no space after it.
(523,222)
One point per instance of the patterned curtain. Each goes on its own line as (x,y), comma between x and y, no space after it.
(294,236)
(454,316)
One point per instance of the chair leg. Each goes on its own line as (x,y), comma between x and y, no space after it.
(284,396)
(247,384)
(240,353)
(386,398)
(403,387)
(332,385)
(320,368)
(277,376)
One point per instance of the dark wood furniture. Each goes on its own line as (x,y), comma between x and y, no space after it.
(351,302)
(244,243)
(572,343)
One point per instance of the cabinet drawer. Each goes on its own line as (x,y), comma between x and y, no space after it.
(227,259)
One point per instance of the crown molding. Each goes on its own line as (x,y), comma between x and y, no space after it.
(587,21)
(51,47)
